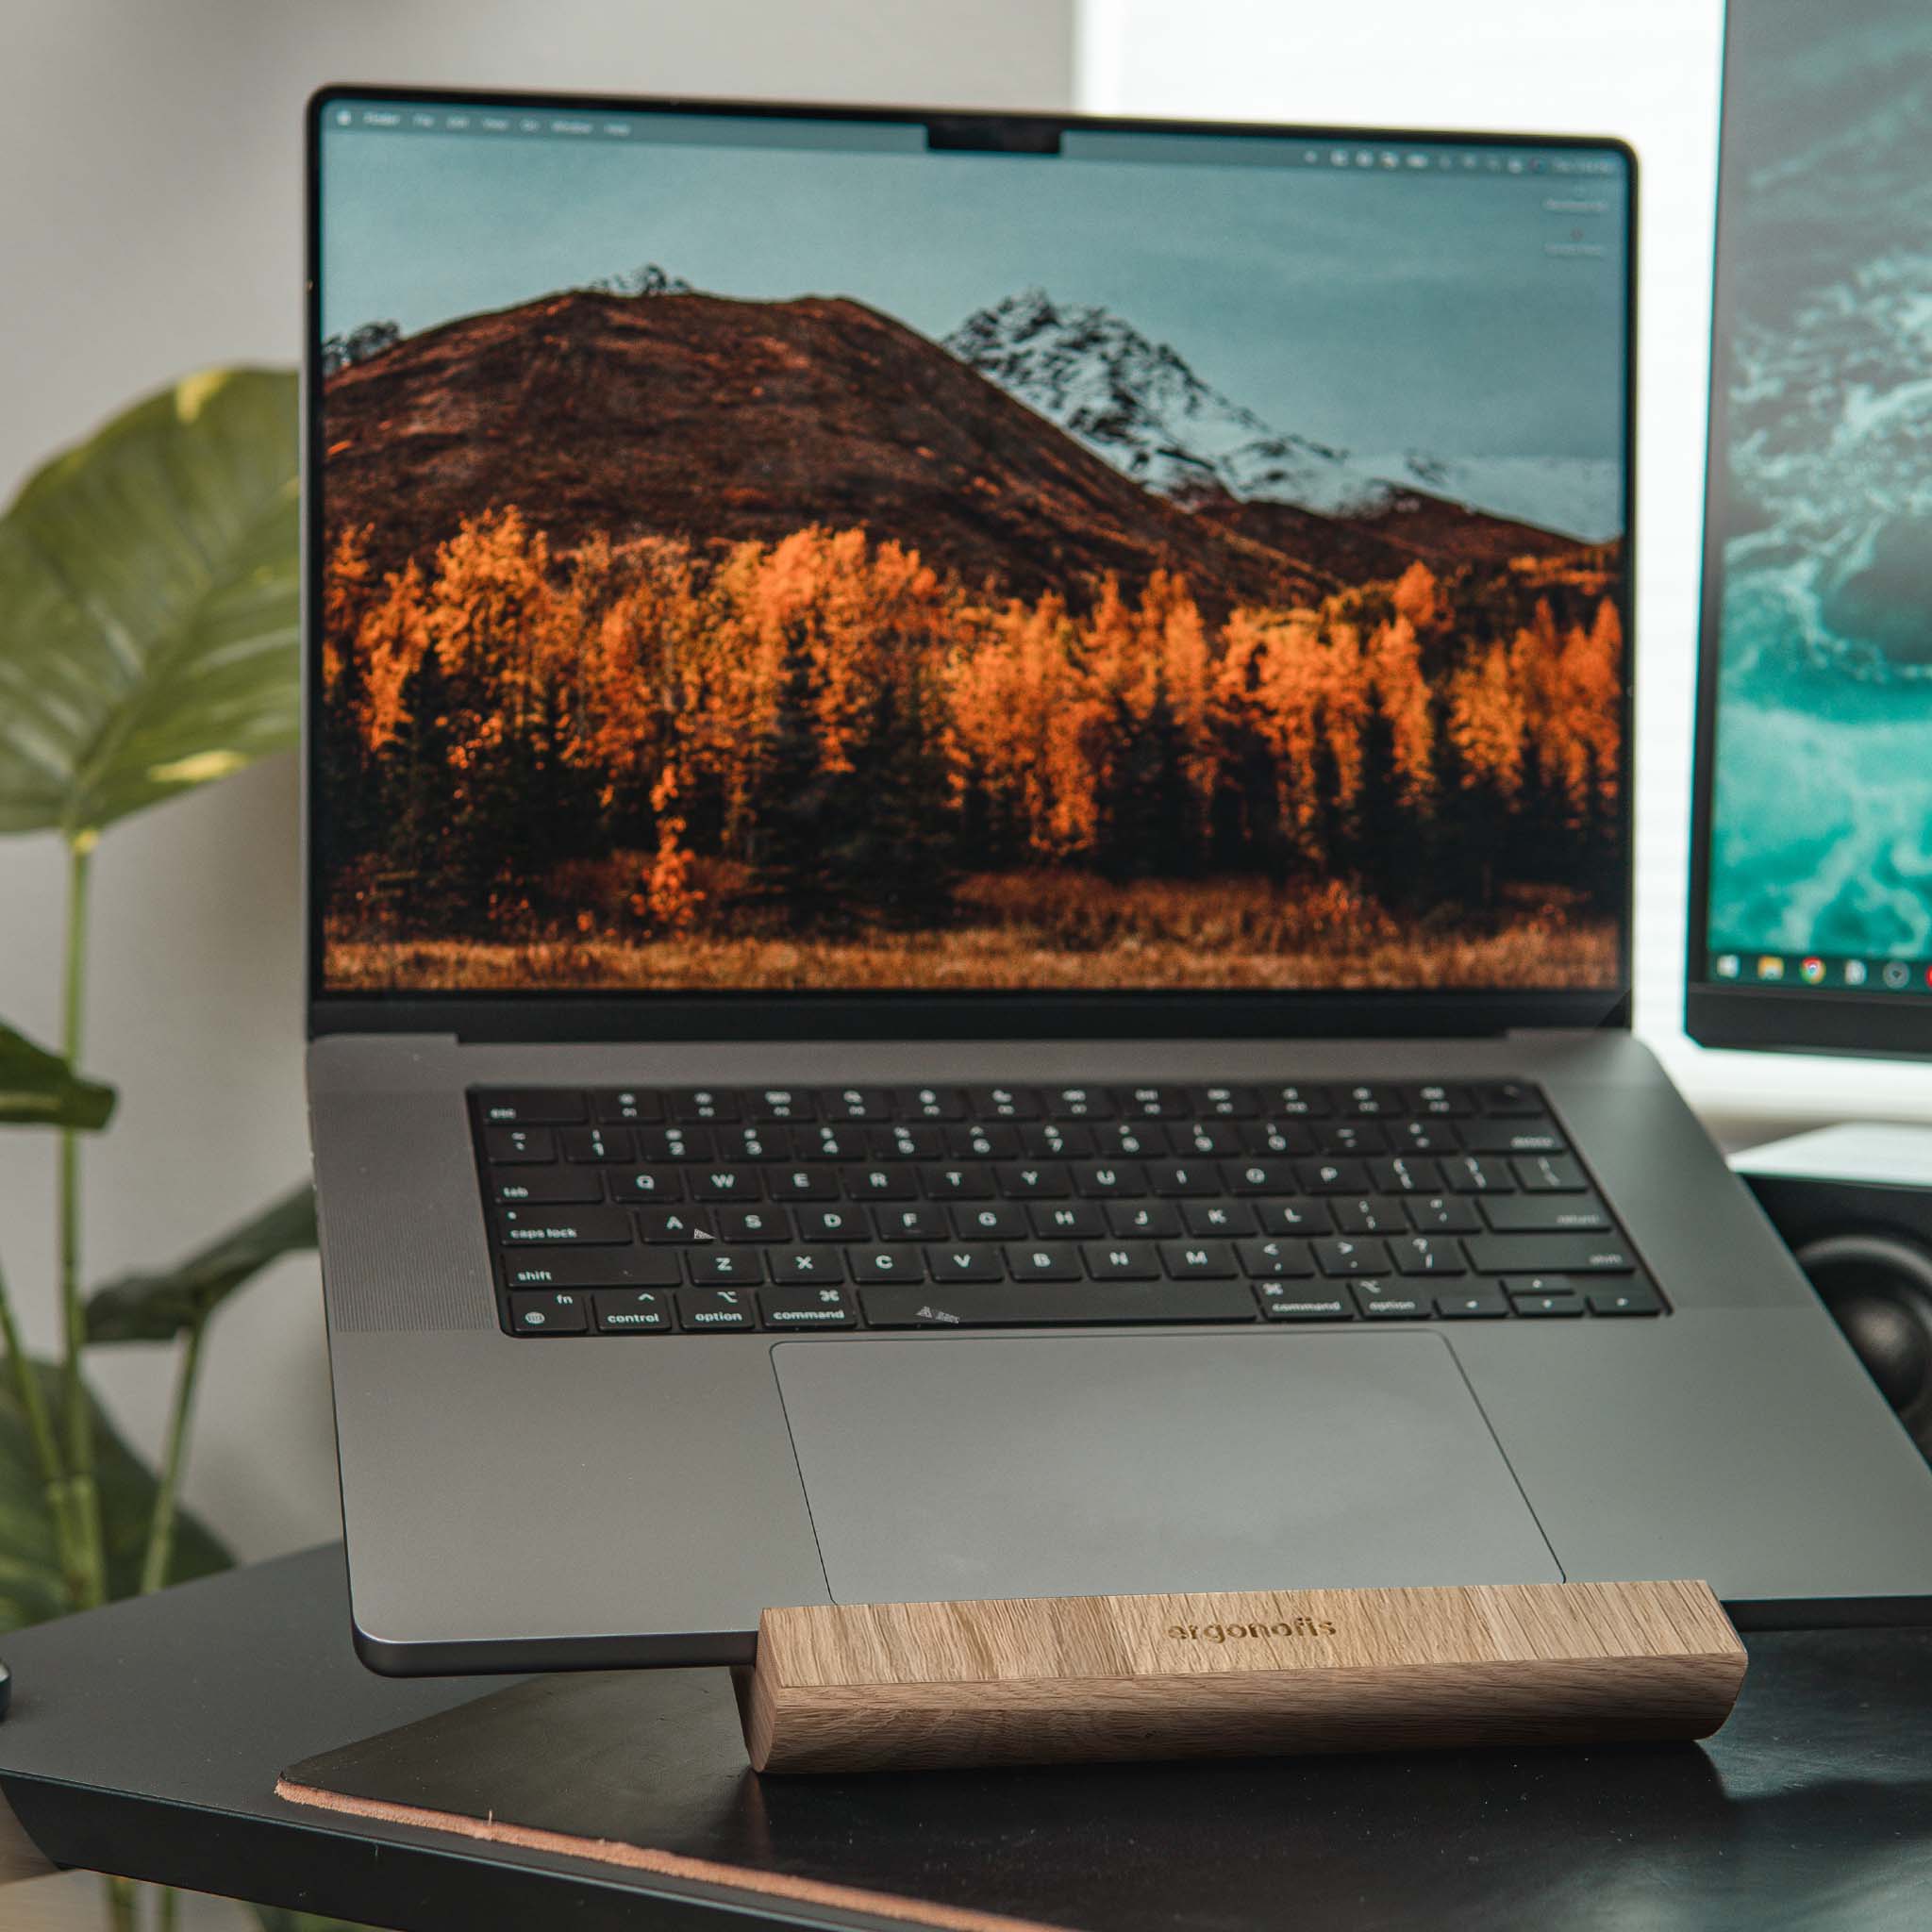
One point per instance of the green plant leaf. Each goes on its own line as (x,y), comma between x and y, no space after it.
(39,1089)
(153,1307)
(149,606)
(30,1586)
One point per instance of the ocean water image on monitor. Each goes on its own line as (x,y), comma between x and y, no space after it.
(812,606)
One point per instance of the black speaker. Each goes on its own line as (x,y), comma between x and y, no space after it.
(1866,1246)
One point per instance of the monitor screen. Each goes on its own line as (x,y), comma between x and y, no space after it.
(1811,914)
(772,552)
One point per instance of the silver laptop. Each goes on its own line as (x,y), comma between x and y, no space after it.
(969,855)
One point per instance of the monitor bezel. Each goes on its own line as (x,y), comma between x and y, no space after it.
(554,1014)
(1723,1013)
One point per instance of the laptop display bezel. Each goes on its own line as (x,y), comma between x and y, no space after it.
(552,1014)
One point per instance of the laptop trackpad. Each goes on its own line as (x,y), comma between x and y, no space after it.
(1059,1465)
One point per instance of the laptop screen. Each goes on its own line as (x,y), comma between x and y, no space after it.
(777,552)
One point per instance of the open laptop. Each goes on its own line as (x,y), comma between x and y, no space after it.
(970,854)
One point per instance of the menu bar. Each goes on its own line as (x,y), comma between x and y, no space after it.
(1805,970)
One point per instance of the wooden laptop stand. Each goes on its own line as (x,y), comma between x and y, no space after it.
(856,1686)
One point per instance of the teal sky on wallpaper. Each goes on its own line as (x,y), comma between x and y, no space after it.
(1823,813)
(1372,311)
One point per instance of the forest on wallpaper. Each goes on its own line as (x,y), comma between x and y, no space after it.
(633,727)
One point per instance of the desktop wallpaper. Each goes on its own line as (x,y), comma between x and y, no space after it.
(1821,812)
(767,566)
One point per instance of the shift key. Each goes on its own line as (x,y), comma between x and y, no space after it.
(557,1226)
(1548,1253)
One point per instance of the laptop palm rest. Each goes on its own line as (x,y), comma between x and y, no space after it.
(1056,1465)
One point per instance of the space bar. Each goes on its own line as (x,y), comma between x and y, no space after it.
(1026,1304)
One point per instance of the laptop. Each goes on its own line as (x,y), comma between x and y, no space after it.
(970,854)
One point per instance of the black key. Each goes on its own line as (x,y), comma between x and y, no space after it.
(1043,1260)
(1129,1139)
(1508,1097)
(547,1184)
(1298,1103)
(1380,1299)
(1370,1214)
(1547,1304)
(1198,1260)
(1207,1218)
(887,1183)
(842,1223)
(518,1146)
(700,1309)
(549,1315)
(644,1184)
(1057,1140)
(1404,1174)
(1631,1298)
(750,1224)
(990,1221)
(906,1141)
(1352,1138)
(1068,1220)
(1150,1103)
(800,1267)
(885,1264)
(702,1103)
(1439,1102)
(770,1142)
(1331,1178)
(1050,1304)
(1003,1102)
(1197,1140)
(1513,1137)
(1144,1220)
(1099,1179)
(628,1104)
(1427,1254)
(778,1104)
(964,1265)
(673,1225)
(1550,1253)
(1575,1284)
(967,1181)
(854,1103)
(596,1143)
(1423,1136)
(929,1103)
(829,1142)
(1481,1301)
(711,1265)
(1472,1174)
(1443,1214)
(1224,1103)
(675,1144)
(1546,1214)
(1267,1138)
(724,1184)
(1043,1180)
(1280,1303)
(1121,1261)
(1078,1103)
(1276,1260)
(1343,1255)
(981,1141)
(817,1308)
(1259,1177)
(538,1226)
(529,1107)
(591,1268)
(922,1224)
(644,1312)
(803,1183)
(1183,1177)
(1366,1102)
(1293,1217)
(1549,1174)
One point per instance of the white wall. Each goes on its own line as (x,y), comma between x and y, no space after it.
(150,226)
(1646,70)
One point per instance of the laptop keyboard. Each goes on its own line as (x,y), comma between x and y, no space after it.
(699,1211)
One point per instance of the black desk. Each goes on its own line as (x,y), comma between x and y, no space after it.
(146,1738)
